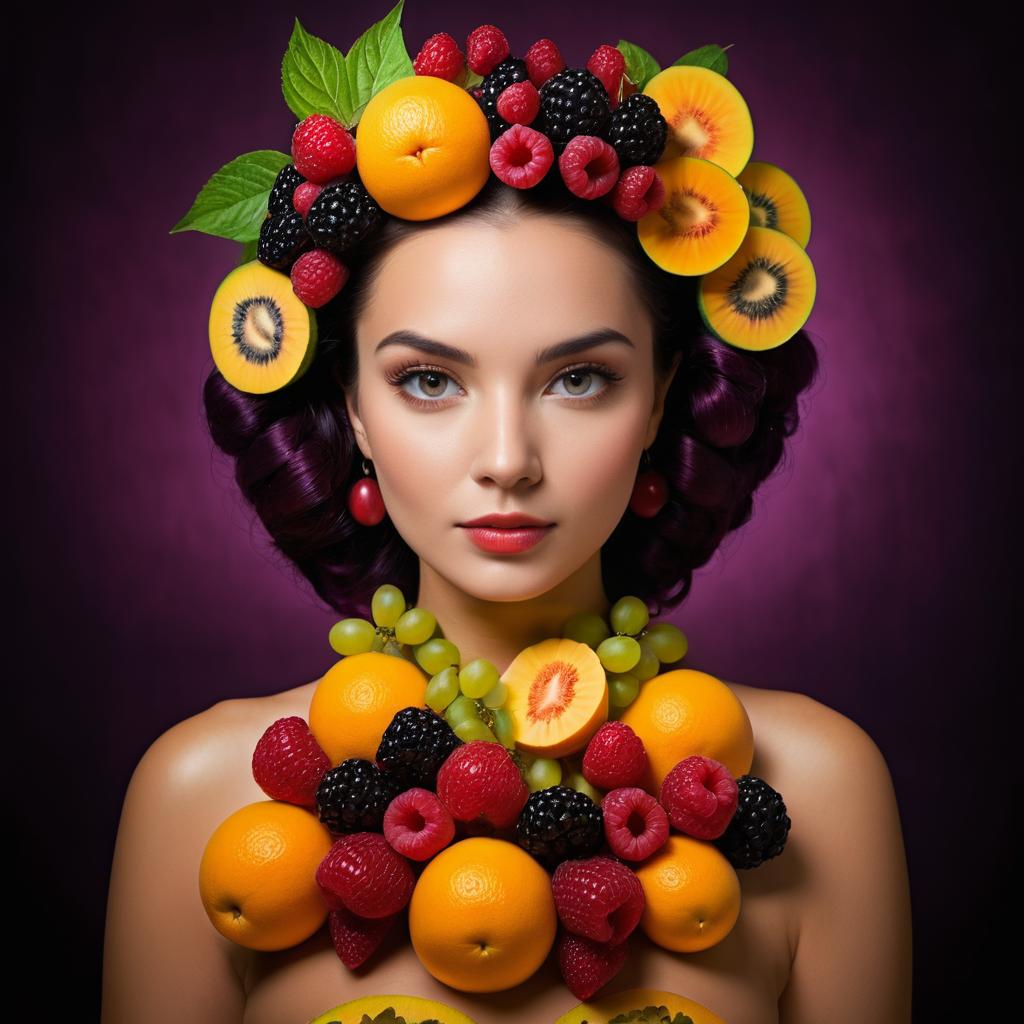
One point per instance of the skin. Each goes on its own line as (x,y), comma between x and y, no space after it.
(824,929)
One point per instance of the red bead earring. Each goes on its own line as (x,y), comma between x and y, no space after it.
(365,501)
(650,492)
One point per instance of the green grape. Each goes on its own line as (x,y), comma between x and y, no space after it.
(443,688)
(667,641)
(387,605)
(436,654)
(648,666)
(619,653)
(622,690)
(475,730)
(378,643)
(496,696)
(579,782)
(477,677)
(351,636)
(415,626)
(544,772)
(629,615)
(505,727)
(586,628)
(462,709)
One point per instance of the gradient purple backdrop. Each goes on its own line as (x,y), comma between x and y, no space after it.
(874,576)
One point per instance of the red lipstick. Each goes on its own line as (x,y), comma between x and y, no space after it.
(506,532)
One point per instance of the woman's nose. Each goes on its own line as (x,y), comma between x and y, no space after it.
(503,441)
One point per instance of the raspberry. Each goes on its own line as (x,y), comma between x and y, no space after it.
(519,103)
(543,60)
(615,756)
(598,898)
(700,796)
(322,148)
(362,873)
(589,166)
(440,57)
(638,192)
(355,938)
(288,763)
(317,276)
(587,965)
(635,824)
(486,47)
(305,195)
(608,64)
(417,824)
(521,156)
(480,780)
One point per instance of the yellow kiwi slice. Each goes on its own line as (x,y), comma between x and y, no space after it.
(557,696)
(706,114)
(763,295)
(647,1006)
(702,221)
(411,1008)
(262,335)
(776,200)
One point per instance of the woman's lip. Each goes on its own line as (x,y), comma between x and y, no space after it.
(507,539)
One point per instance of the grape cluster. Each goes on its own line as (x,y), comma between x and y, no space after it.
(472,697)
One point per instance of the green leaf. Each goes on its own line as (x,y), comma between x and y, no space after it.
(248,251)
(233,203)
(710,56)
(640,65)
(317,78)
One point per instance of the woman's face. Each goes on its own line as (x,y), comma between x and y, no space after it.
(482,426)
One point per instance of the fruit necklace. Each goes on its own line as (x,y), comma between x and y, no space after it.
(583,783)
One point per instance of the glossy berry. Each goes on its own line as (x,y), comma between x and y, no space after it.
(317,277)
(635,824)
(585,965)
(700,797)
(365,502)
(615,756)
(440,57)
(355,938)
(322,149)
(598,897)
(486,48)
(543,60)
(650,492)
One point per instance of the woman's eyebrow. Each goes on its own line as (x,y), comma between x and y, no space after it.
(458,355)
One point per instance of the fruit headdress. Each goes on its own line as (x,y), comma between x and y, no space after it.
(382,135)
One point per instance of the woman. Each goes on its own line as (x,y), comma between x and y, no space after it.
(431,373)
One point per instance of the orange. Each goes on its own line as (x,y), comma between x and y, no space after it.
(691,893)
(423,147)
(482,917)
(686,712)
(257,876)
(357,698)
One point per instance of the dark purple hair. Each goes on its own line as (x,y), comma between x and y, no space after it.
(727,415)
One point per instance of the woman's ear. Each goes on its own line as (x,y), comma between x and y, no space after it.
(352,411)
(661,387)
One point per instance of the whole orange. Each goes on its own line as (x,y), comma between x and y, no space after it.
(482,917)
(686,712)
(257,875)
(691,894)
(356,699)
(422,147)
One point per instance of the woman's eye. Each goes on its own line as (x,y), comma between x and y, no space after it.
(433,383)
(578,381)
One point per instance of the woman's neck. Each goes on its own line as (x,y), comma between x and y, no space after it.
(499,630)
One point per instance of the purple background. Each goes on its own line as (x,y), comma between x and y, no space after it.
(874,575)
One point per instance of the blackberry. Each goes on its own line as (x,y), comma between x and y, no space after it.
(508,72)
(287,181)
(759,828)
(341,215)
(283,238)
(572,102)
(559,823)
(637,131)
(353,796)
(414,746)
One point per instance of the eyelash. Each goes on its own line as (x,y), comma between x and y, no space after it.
(407,371)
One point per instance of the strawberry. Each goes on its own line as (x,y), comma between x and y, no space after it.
(587,965)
